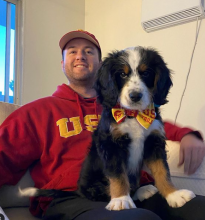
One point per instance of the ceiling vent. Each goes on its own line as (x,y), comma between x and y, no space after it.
(158,14)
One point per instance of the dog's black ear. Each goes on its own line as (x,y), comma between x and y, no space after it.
(105,85)
(162,82)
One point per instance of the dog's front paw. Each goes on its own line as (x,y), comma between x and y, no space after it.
(120,203)
(145,192)
(179,198)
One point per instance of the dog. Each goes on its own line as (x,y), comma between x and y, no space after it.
(131,85)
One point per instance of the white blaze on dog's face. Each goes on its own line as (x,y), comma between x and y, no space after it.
(135,93)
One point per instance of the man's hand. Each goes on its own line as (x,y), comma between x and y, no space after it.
(192,151)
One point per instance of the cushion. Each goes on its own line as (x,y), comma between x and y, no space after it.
(9,196)
(6,109)
(20,213)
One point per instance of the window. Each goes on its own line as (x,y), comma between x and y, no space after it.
(8,47)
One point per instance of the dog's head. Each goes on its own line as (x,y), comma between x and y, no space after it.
(134,78)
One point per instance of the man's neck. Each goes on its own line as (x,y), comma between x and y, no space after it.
(85,92)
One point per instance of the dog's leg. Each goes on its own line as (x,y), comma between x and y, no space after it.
(119,192)
(155,159)
(174,197)
(113,150)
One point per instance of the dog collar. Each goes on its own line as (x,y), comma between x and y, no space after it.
(145,118)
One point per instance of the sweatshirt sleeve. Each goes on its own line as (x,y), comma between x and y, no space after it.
(19,147)
(176,133)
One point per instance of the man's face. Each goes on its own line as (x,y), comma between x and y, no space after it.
(81,61)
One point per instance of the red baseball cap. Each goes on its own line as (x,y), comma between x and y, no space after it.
(78,34)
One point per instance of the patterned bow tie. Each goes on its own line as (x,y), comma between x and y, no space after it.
(145,118)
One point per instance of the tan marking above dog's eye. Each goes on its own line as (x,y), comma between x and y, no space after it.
(143,67)
(126,69)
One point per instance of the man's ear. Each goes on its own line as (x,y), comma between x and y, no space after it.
(62,65)
(62,61)
(100,64)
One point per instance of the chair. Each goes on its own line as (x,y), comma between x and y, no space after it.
(16,208)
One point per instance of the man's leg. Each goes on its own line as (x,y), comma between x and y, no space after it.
(83,209)
(192,210)
(128,214)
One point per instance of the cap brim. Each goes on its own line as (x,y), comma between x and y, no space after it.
(75,34)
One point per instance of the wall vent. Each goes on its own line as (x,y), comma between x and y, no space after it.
(171,12)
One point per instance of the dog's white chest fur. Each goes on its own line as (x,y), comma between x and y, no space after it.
(138,134)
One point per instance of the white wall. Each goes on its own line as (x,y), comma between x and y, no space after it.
(117,25)
(45,22)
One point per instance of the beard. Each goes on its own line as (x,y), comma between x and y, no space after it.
(77,76)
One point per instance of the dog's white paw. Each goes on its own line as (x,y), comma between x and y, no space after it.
(179,197)
(120,203)
(145,192)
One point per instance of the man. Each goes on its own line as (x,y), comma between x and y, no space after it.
(52,134)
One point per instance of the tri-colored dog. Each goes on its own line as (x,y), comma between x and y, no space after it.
(131,85)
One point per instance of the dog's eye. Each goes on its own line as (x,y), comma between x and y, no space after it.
(123,75)
(147,72)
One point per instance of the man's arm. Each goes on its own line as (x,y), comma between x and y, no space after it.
(18,147)
(192,147)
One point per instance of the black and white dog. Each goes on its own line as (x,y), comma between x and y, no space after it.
(131,85)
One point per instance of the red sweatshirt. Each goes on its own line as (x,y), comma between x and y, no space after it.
(52,134)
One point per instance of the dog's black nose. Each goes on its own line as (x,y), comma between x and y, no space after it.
(135,96)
